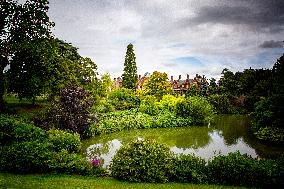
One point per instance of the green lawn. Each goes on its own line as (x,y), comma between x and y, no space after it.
(24,108)
(65,181)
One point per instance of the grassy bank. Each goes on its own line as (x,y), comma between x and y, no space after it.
(65,181)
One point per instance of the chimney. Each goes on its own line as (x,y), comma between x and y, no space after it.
(139,77)
(187,76)
(179,77)
(172,78)
(114,79)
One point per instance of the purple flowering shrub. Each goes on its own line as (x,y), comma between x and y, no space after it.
(71,111)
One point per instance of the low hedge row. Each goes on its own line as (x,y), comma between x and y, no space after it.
(26,148)
(133,119)
(149,161)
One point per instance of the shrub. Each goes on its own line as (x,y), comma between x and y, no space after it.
(70,163)
(169,119)
(149,105)
(232,169)
(270,134)
(14,130)
(127,119)
(142,161)
(72,110)
(198,109)
(133,119)
(64,140)
(188,168)
(269,112)
(123,99)
(103,106)
(27,157)
(221,103)
(242,170)
(169,102)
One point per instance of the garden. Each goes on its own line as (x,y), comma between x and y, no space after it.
(61,122)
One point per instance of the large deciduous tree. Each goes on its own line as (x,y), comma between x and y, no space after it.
(20,26)
(158,85)
(129,76)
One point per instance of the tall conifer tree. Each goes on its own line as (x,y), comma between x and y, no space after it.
(129,76)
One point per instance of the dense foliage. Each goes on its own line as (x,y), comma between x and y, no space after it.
(40,65)
(242,170)
(221,103)
(148,161)
(188,168)
(13,130)
(149,105)
(129,76)
(123,99)
(26,148)
(62,140)
(20,24)
(158,85)
(72,110)
(198,109)
(142,161)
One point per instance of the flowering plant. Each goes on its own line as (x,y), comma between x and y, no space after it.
(96,162)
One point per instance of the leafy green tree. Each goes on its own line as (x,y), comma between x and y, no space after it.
(158,85)
(44,66)
(129,76)
(104,86)
(228,82)
(20,24)
(31,69)
(193,91)
(70,67)
(212,88)
(277,77)
(123,99)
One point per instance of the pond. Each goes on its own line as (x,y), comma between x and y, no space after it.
(227,133)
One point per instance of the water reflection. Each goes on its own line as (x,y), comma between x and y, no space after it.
(216,146)
(226,134)
(105,152)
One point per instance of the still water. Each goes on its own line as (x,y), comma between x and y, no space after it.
(225,134)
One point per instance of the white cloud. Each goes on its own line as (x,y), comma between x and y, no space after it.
(161,31)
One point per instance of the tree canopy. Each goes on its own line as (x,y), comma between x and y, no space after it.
(37,63)
(158,85)
(20,25)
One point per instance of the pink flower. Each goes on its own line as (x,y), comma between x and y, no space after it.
(96,162)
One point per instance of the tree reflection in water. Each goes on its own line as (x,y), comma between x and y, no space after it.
(226,134)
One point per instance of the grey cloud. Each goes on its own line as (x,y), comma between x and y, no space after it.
(272,44)
(265,16)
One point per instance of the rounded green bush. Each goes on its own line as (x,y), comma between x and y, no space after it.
(230,169)
(149,105)
(27,157)
(196,108)
(64,140)
(15,130)
(191,169)
(69,163)
(143,161)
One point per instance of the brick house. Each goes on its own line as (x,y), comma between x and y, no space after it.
(178,85)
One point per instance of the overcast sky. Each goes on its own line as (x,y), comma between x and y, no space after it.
(178,37)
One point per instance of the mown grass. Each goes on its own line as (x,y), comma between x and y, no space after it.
(25,107)
(66,181)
